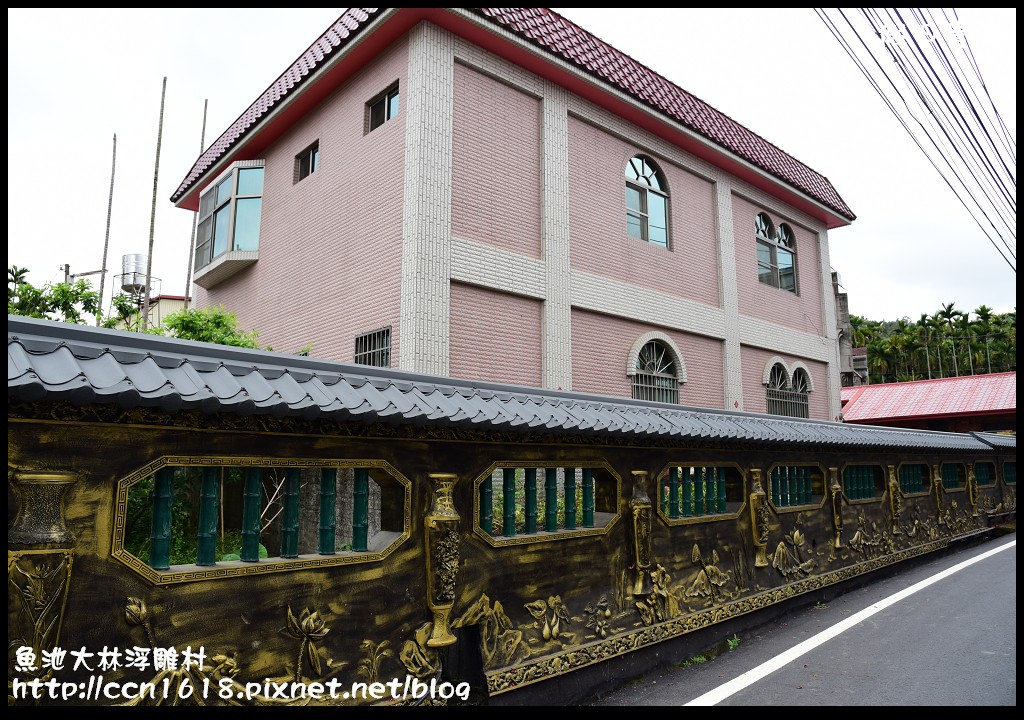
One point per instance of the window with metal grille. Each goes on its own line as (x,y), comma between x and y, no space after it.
(646,202)
(914,478)
(861,482)
(374,348)
(785,397)
(953,476)
(656,378)
(985,473)
(793,485)
(776,254)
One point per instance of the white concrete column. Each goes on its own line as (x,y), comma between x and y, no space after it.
(425,314)
(828,314)
(729,297)
(556,319)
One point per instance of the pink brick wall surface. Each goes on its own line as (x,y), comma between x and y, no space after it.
(330,244)
(601,345)
(754,398)
(597,221)
(801,312)
(495,336)
(496,164)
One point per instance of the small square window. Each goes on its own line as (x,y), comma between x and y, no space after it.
(374,348)
(307,161)
(382,108)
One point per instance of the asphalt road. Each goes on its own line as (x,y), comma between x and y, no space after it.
(952,643)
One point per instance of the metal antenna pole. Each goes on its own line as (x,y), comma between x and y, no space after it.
(192,243)
(106,238)
(152,212)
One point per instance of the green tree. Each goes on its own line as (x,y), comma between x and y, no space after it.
(67,302)
(213,325)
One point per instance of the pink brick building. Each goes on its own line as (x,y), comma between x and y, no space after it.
(496,194)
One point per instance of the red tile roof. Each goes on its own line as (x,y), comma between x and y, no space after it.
(554,34)
(968,395)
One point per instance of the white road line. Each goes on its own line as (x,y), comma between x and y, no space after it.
(732,687)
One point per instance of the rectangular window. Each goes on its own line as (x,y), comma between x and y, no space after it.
(229,215)
(374,348)
(382,108)
(306,162)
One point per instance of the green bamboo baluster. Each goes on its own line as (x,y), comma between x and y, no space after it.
(673,492)
(508,501)
(486,509)
(721,489)
(688,492)
(569,483)
(531,500)
(551,499)
(588,498)
(776,484)
(251,521)
(209,503)
(698,491)
(328,510)
(290,514)
(160,528)
(361,509)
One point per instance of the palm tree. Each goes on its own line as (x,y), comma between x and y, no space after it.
(924,333)
(949,315)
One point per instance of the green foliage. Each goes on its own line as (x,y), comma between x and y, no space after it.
(734,642)
(213,325)
(67,302)
(947,343)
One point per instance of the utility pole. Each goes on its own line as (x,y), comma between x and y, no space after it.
(195,217)
(152,212)
(106,238)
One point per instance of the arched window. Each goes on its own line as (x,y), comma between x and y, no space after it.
(776,254)
(656,377)
(646,202)
(785,395)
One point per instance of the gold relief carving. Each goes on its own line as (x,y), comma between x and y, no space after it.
(836,499)
(661,603)
(895,500)
(708,578)
(554,615)
(309,629)
(640,505)
(501,643)
(376,653)
(420,659)
(505,679)
(136,614)
(870,542)
(972,489)
(598,617)
(40,516)
(37,593)
(1009,501)
(937,491)
(759,519)
(789,556)
(442,539)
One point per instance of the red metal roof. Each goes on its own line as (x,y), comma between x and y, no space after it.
(956,396)
(561,38)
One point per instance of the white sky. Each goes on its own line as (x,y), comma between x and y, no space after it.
(76,77)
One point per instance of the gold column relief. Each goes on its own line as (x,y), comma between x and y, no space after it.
(39,559)
(442,538)
(895,500)
(759,518)
(640,505)
(937,491)
(836,496)
(972,490)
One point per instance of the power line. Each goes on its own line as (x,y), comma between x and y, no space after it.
(963,149)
